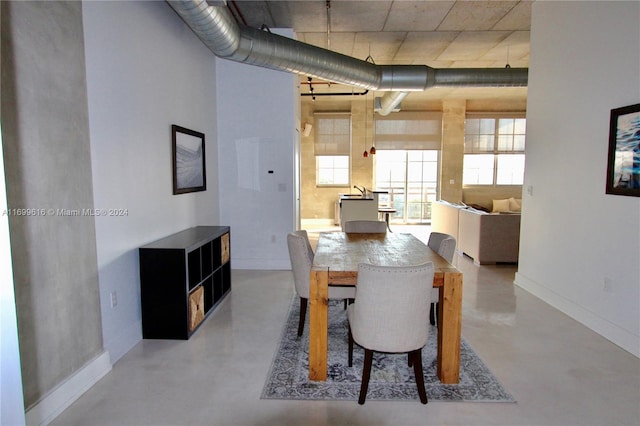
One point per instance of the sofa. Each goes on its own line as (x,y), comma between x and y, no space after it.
(489,237)
(486,237)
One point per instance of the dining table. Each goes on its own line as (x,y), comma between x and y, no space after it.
(336,261)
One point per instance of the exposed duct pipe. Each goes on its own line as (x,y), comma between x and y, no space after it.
(389,102)
(215,26)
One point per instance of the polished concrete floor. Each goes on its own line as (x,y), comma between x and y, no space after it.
(560,372)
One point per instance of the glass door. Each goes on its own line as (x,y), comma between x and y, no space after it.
(411,178)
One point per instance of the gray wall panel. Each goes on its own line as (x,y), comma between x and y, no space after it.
(48,166)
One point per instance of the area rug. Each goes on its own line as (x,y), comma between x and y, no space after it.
(391,377)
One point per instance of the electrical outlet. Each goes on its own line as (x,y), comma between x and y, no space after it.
(273,239)
(608,285)
(114,299)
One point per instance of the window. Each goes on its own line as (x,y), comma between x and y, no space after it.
(332,170)
(332,147)
(494,150)
(411,179)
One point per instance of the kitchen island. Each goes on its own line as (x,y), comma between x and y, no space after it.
(359,206)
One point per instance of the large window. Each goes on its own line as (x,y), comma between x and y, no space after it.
(494,150)
(332,148)
(411,179)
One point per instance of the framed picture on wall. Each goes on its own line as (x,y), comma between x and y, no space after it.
(623,168)
(189,171)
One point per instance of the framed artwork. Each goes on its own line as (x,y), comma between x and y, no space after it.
(189,171)
(623,168)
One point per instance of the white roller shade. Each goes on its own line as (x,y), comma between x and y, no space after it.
(333,134)
(409,130)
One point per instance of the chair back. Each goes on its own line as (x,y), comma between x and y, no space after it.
(301,260)
(365,227)
(444,244)
(447,248)
(303,233)
(392,307)
(435,238)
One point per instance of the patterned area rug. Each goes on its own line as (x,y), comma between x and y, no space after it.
(391,378)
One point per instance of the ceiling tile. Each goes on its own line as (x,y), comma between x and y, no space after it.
(417,15)
(515,47)
(518,18)
(306,16)
(424,46)
(472,45)
(382,46)
(359,15)
(475,15)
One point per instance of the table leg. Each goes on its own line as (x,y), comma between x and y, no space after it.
(318,324)
(449,328)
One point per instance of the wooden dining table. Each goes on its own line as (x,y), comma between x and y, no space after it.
(336,261)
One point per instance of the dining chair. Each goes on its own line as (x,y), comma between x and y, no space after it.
(445,246)
(301,256)
(392,304)
(365,227)
(304,234)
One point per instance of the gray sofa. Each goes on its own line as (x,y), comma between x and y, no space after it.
(487,238)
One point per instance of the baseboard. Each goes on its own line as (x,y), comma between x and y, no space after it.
(56,401)
(612,332)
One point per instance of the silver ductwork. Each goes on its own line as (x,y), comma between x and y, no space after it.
(215,26)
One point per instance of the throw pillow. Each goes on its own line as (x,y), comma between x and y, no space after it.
(500,205)
(514,205)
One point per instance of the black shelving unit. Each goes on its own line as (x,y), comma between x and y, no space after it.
(183,277)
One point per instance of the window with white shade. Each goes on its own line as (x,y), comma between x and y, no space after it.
(332,148)
(494,150)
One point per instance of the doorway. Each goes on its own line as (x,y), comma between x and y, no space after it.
(411,179)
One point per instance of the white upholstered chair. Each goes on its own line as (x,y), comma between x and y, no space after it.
(301,256)
(365,227)
(445,245)
(389,315)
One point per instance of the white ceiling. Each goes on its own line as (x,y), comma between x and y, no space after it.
(440,34)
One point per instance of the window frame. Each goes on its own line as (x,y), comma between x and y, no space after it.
(334,184)
(496,150)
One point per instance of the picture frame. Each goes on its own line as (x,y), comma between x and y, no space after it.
(623,167)
(189,167)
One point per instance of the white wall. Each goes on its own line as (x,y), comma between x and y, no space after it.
(256,134)
(146,70)
(585,61)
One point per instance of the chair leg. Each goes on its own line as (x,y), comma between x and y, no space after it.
(350,348)
(366,373)
(417,369)
(432,314)
(303,314)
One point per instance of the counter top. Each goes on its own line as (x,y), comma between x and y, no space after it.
(355,197)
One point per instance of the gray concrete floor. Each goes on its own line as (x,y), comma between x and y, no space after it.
(560,372)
